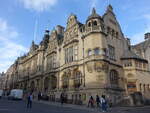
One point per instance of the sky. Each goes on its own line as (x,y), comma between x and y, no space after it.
(22,21)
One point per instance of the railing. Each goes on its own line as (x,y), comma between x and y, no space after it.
(93,29)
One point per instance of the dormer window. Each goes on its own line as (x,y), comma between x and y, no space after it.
(108,30)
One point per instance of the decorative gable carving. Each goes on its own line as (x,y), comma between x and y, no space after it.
(72,20)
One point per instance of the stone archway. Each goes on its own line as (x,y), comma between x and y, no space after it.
(46,84)
(77,78)
(53,82)
(65,80)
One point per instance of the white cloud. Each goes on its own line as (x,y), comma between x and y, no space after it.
(9,48)
(38,5)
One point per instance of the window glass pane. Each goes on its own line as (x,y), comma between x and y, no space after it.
(89,52)
(96,51)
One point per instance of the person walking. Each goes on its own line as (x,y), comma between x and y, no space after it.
(39,96)
(103,103)
(29,99)
(97,101)
(91,102)
(62,98)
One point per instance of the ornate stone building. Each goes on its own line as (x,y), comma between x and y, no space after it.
(83,60)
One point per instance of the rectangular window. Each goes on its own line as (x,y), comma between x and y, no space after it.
(71,54)
(54,61)
(111,52)
(75,52)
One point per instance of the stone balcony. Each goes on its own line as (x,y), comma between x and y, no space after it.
(93,29)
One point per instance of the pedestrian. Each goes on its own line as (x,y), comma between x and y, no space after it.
(91,102)
(103,103)
(62,98)
(29,99)
(39,96)
(97,101)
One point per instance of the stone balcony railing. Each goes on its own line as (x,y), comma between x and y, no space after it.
(93,29)
(95,57)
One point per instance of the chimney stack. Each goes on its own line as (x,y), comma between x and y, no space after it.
(60,30)
(147,36)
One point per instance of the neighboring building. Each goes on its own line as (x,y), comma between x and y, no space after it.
(2,80)
(80,61)
(142,67)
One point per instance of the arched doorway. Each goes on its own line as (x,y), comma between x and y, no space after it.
(53,82)
(46,84)
(65,81)
(77,78)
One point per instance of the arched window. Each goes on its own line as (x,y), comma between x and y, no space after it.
(77,76)
(65,81)
(114,77)
(89,24)
(108,30)
(140,86)
(95,23)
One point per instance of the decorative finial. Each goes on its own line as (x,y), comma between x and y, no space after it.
(93,11)
(32,42)
(109,8)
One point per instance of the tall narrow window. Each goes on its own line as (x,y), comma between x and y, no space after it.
(75,52)
(65,81)
(114,77)
(111,51)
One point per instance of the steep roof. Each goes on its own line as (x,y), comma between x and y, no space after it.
(93,15)
(128,54)
(142,45)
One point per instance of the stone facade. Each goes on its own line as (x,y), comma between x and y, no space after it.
(2,80)
(82,60)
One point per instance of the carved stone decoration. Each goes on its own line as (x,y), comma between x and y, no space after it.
(98,66)
(105,67)
(71,21)
(100,77)
(89,67)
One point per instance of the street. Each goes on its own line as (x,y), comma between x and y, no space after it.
(9,106)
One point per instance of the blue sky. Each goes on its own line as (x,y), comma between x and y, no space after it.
(18,19)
